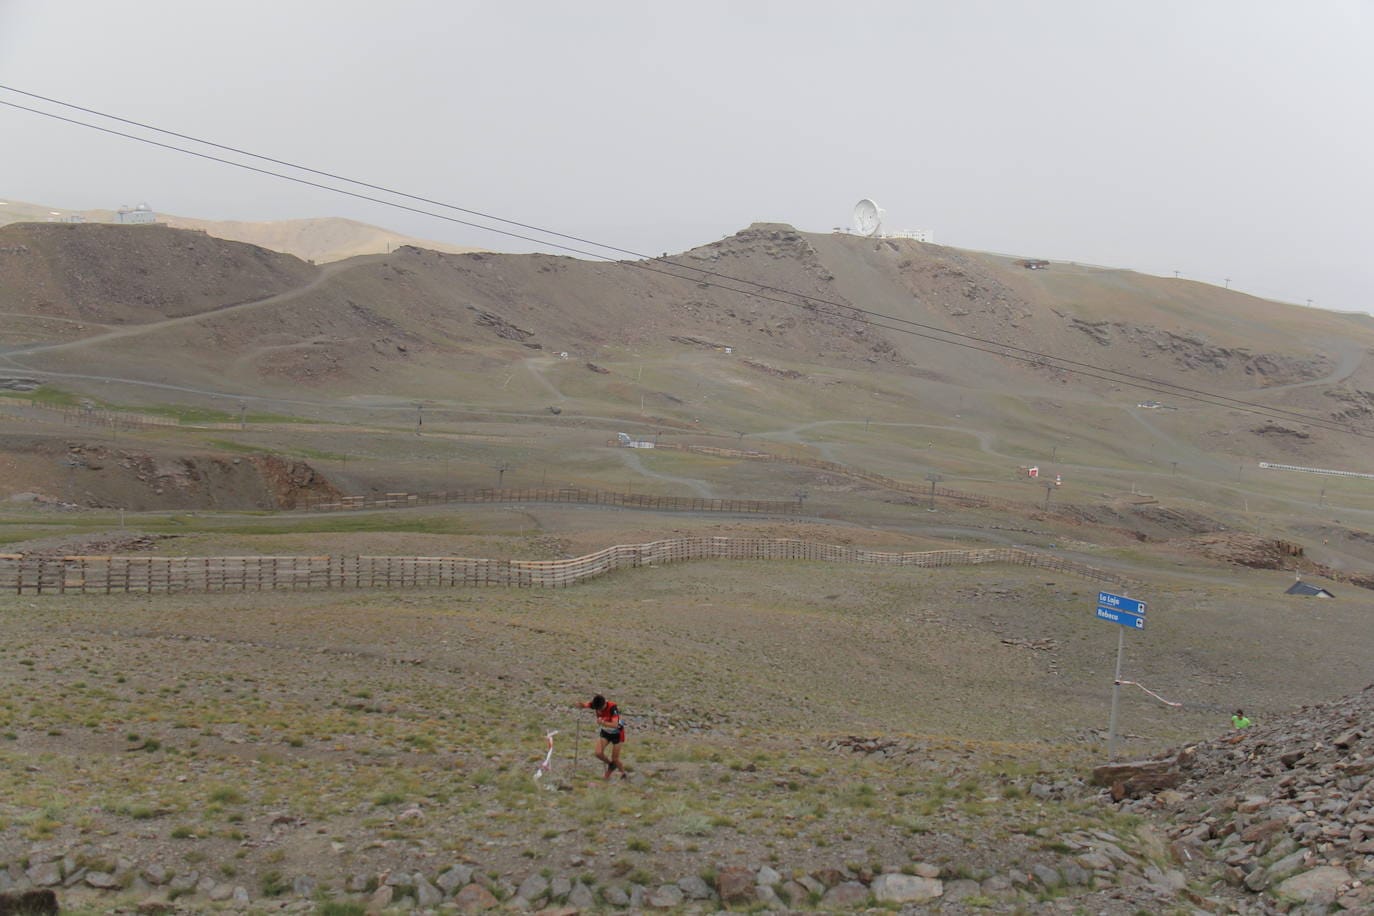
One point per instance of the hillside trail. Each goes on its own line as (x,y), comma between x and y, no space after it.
(80,322)
(325,273)
(1348,362)
(793,434)
(630,457)
(535,366)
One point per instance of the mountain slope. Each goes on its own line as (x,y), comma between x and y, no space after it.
(421,324)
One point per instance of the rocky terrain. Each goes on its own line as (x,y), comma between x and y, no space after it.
(1284,808)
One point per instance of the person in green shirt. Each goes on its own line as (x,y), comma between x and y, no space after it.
(1239,720)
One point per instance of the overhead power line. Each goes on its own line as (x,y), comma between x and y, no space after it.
(666,266)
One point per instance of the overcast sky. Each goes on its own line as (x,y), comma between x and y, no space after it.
(1222,139)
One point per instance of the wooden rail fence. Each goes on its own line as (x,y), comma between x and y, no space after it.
(100,416)
(551,495)
(53,575)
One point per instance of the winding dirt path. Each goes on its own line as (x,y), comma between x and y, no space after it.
(326,272)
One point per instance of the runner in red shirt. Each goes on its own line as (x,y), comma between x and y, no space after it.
(611,732)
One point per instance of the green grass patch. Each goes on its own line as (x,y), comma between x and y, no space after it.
(53,397)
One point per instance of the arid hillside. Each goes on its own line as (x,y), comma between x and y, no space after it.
(320,240)
(767,316)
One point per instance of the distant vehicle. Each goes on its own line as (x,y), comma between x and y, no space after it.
(1034,264)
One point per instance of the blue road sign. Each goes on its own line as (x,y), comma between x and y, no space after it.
(1125,618)
(1120,603)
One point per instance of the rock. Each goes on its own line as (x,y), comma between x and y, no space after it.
(663,897)
(615,896)
(794,893)
(533,888)
(412,816)
(426,894)
(102,880)
(998,886)
(1257,880)
(381,898)
(1287,865)
(767,876)
(925,870)
(45,874)
(221,892)
(1263,830)
(961,889)
(829,877)
(240,896)
(899,888)
(736,885)
(845,895)
(1096,861)
(156,874)
(454,878)
(769,899)
(559,887)
(581,897)
(356,884)
(304,886)
(1074,873)
(696,888)
(1047,876)
(1139,777)
(475,898)
(1319,886)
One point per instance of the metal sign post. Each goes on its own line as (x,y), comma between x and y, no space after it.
(1128,613)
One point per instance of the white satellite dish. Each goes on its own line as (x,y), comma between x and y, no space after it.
(868,217)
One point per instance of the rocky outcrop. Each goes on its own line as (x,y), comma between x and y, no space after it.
(1285,809)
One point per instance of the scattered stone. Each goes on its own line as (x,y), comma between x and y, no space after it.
(304,886)
(580,897)
(845,895)
(426,894)
(899,888)
(451,880)
(102,880)
(696,888)
(474,898)
(45,874)
(1320,886)
(736,885)
(533,888)
(663,897)
(961,889)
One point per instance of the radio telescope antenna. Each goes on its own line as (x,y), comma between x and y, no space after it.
(868,217)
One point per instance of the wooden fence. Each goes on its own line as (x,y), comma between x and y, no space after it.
(551,495)
(50,575)
(100,416)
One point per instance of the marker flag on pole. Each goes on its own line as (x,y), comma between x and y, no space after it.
(1150,692)
(547,765)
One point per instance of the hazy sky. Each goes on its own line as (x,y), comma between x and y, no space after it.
(1218,138)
